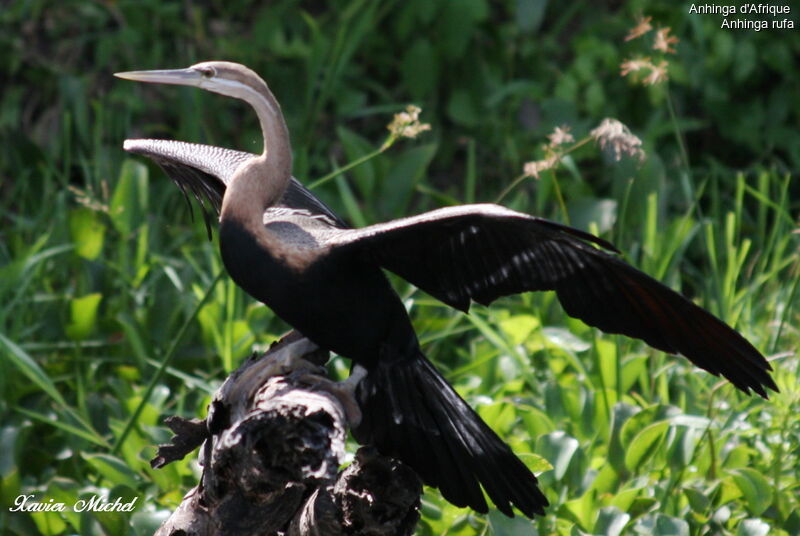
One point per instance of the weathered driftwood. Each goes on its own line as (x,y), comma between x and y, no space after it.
(272,446)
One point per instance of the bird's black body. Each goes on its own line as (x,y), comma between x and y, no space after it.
(329,301)
(288,250)
(343,302)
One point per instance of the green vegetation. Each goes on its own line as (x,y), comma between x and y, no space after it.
(104,275)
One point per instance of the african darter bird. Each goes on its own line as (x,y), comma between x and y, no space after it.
(289,251)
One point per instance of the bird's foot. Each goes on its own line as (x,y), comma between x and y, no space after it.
(344,392)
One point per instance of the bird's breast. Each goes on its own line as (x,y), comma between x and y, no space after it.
(265,261)
(340,302)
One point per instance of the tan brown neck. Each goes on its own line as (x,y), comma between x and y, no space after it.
(260,182)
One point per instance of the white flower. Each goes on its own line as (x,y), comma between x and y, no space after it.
(663,41)
(560,136)
(613,134)
(533,169)
(406,124)
(642,27)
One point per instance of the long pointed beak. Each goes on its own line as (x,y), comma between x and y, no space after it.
(179,77)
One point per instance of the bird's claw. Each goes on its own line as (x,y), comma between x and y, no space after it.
(343,391)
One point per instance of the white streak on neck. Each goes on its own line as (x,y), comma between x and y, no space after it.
(261,181)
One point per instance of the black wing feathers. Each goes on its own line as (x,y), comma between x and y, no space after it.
(409,411)
(299,197)
(205,170)
(482,252)
(206,189)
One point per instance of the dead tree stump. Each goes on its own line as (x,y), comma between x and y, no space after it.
(271,450)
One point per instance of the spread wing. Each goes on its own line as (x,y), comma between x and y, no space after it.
(205,171)
(482,252)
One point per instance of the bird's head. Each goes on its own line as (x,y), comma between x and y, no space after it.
(223,77)
(237,81)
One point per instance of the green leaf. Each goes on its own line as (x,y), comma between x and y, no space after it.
(519,327)
(529,14)
(133,336)
(625,499)
(537,464)
(85,431)
(622,412)
(739,456)
(755,489)
(572,399)
(536,421)
(9,436)
(407,170)
(633,369)
(636,423)
(65,490)
(586,211)
(351,204)
(83,316)
(500,416)
(728,491)
(129,202)
(611,521)
(356,146)
(113,469)
(640,505)
(87,231)
(606,480)
(683,446)
(698,501)
(607,362)
(558,448)
(752,527)
(116,522)
(661,525)
(564,338)
(243,339)
(580,510)
(14,274)
(458,20)
(48,523)
(512,526)
(26,364)
(210,320)
(670,526)
(420,68)
(644,444)
(148,522)
(11,487)
(601,421)
(692,422)
(462,109)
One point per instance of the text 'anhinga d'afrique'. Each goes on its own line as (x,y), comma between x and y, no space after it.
(288,250)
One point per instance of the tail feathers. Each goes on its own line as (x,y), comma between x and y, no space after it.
(410,412)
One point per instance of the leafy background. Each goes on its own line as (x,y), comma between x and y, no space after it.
(102,270)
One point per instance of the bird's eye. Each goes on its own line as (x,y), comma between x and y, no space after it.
(206,72)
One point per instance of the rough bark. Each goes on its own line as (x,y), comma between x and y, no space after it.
(273,443)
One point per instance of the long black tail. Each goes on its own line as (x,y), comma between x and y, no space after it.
(410,412)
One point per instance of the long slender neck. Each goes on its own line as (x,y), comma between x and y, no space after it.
(277,147)
(260,182)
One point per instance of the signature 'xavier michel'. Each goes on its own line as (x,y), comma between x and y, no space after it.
(290,252)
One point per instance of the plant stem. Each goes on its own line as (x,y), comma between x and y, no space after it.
(358,161)
(510,187)
(560,198)
(678,136)
(164,364)
(559,156)
(786,309)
